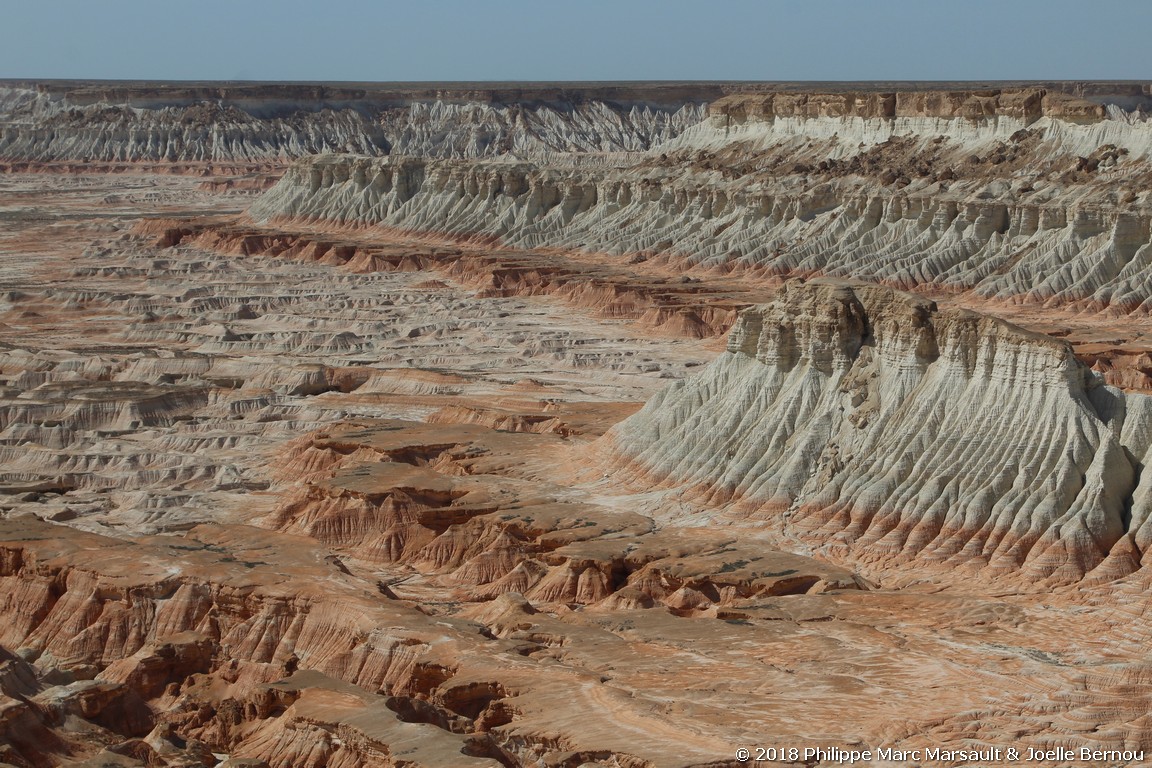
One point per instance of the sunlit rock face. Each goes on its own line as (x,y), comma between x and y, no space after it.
(239,126)
(863,419)
(567,426)
(1014,196)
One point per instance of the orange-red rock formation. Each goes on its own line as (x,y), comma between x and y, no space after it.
(336,483)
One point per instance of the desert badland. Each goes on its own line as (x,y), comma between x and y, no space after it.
(573,425)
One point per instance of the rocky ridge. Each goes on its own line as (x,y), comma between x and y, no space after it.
(265,128)
(328,484)
(1016,202)
(867,424)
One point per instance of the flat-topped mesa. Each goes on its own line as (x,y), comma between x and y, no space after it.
(265,126)
(878,429)
(1014,215)
(1022,104)
(243,126)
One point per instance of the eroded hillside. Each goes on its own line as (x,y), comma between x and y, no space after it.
(602,426)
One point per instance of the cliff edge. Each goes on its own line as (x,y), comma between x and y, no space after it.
(868,424)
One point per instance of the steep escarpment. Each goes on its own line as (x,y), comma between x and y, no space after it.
(445,129)
(310,492)
(198,134)
(238,127)
(869,425)
(1023,104)
(1034,207)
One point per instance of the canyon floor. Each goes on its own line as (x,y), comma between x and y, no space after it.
(307,496)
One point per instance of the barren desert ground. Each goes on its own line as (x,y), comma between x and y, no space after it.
(542,426)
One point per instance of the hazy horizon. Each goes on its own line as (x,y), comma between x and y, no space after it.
(518,41)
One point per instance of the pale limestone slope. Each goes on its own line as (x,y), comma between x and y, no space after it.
(870,425)
(448,129)
(201,133)
(1004,233)
(37,127)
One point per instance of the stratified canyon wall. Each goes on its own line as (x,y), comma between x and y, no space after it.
(866,422)
(238,125)
(393,425)
(1019,195)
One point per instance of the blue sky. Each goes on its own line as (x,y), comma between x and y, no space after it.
(589,40)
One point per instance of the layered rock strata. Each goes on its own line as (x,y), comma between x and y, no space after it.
(1019,200)
(868,424)
(273,494)
(267,126)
